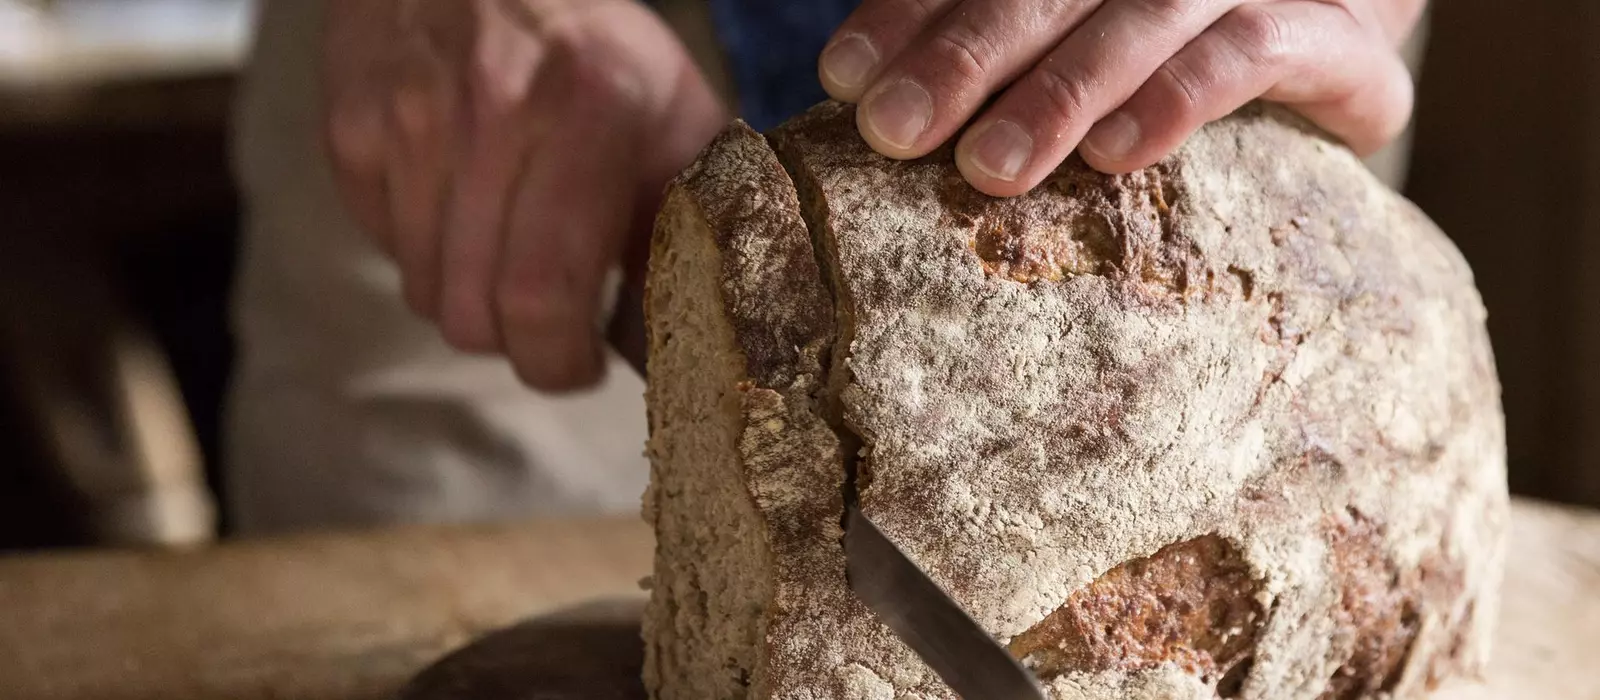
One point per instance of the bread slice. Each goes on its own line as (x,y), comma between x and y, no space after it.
(746,498)
(1228,427)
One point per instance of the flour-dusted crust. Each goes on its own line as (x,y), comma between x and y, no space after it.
(1226,427)
(1253,341)
(803,632)
(773,291)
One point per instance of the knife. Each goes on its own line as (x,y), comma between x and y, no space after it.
(923,616)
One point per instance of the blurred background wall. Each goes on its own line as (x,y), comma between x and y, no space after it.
(119,221)
(120,228)
(1507,160)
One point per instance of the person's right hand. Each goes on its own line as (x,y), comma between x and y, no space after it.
(1021,84)
(508,154)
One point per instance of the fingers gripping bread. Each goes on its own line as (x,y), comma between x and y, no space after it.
(1226,427)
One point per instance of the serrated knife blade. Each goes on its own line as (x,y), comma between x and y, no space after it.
(923,616)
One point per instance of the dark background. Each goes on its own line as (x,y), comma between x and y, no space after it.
(120,214)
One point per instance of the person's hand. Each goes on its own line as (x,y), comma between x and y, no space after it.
(509,155)
(1122,81)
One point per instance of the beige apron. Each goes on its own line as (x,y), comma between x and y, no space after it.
(348,410)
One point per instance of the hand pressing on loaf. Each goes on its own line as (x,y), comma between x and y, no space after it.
(510,154)
(1123,82)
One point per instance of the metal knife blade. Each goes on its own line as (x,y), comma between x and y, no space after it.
(923,616)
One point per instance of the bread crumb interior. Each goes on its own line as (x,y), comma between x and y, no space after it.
(710,585)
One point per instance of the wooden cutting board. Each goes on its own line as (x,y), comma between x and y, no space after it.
(1550,631)
(593,652)
(355,616)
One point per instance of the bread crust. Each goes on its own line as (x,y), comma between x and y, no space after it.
(1251,361)
(1253,340)
(773,291)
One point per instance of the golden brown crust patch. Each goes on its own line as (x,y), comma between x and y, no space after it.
(1380,605)
(1193,604)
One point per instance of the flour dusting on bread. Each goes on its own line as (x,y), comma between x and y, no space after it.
(1227,427)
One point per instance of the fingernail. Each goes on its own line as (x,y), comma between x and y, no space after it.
(850,61)
(1114,137)
(899,114)
(1001,149)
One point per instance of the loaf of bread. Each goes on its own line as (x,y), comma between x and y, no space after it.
(1227,427)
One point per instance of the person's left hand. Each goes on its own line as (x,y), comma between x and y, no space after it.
(1122,81)
(509,154)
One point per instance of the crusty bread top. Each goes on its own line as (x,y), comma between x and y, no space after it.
(1253,340)
(772,288)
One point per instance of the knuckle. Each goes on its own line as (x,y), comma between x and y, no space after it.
(1068,96)
(566,38)
(601,75)
(502,65)
(611,84)
(965,53)
(885,19)
(349,128)
(595,63)
(1171,12)
(414,111)
(1257,33)
(913,10)
(1181,89)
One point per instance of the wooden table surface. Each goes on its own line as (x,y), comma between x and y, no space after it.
(351,616)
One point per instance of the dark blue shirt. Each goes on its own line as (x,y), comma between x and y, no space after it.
(772,48)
